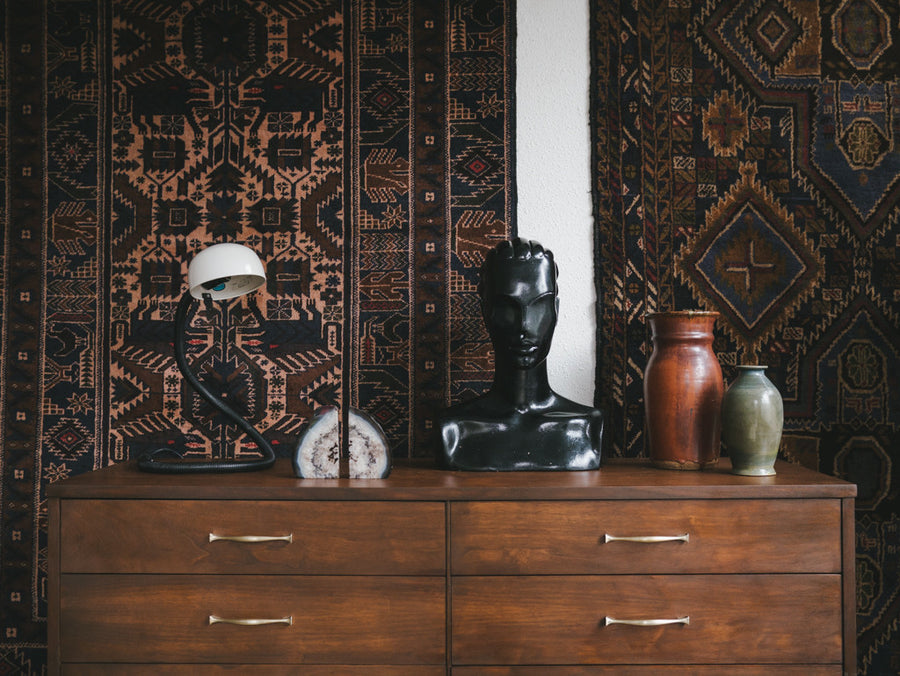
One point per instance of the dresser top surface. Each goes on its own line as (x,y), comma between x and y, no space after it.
(618,479)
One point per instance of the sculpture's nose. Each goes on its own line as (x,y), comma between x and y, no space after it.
(530,322)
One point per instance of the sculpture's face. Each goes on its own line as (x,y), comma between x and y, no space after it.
(520,307)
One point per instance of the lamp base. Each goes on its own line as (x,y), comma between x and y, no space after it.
(169,461)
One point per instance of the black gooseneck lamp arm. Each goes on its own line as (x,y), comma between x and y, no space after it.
(149,461)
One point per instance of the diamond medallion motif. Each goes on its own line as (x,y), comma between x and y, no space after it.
(773,31)
(749,264)
(749,259)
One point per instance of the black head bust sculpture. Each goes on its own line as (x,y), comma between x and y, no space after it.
(520,423)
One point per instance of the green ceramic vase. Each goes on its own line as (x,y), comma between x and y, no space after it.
(752,421)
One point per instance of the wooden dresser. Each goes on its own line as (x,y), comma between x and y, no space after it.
(628,570)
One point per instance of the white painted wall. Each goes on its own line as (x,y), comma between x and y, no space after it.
(553,173)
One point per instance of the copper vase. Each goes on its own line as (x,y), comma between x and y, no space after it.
(683,388)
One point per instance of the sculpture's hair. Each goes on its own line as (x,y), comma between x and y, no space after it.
(514,249)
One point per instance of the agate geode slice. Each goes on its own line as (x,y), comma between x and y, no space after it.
(318,453)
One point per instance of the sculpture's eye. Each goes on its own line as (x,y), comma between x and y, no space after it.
(506,314)
(539,316)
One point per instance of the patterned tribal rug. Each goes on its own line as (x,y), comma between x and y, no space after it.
(747,161)
(363,148)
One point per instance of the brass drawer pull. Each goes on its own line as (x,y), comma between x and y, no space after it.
(251,538)
(686,537)
(648,623)
(250,622)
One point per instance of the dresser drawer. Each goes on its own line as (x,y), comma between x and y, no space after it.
(173,536)
(657,669)
(735,536)
(256,670)
(733,619)
(333,619)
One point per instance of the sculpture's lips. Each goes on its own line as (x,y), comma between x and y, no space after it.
(524,350)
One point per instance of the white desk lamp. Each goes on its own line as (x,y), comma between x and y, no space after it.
(219,272)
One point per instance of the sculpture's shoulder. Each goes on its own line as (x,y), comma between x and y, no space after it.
(566,407)
(478,423)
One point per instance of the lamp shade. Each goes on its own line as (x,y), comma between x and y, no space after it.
(225,271)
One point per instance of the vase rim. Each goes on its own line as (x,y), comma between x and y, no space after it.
(682,313)
(752,367)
